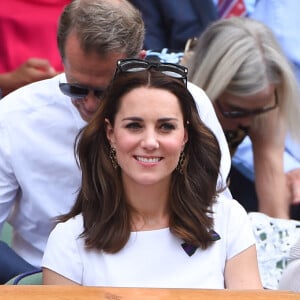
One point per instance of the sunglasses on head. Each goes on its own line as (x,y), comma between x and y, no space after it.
(235,114)
(138,65)
(77,91)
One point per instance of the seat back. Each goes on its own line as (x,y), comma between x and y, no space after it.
(29,278)
(6,234)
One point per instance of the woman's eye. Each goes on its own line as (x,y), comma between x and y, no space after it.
(235,108)
(167,127)
(133,126)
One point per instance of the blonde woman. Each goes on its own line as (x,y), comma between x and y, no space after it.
(241,67)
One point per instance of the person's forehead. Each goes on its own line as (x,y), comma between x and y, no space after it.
(150,100)
(89,68)
(257,99)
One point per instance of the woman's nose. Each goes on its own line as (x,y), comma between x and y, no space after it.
(150,140)
(246,122)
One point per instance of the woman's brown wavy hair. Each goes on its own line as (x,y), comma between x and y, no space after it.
(101,199)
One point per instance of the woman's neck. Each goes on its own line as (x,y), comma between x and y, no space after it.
(150,207)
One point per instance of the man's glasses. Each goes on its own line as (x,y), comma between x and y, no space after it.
(138,65)
(235,114)
(77,91)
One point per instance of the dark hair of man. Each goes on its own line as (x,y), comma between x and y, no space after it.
(101,199)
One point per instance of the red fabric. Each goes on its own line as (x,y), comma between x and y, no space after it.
(230,8)
(28,29)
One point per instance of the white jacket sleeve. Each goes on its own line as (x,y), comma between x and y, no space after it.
(209,117)
(8,183)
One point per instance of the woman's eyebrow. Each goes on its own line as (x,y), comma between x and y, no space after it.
(164,119)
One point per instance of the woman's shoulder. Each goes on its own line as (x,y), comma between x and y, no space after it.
(73,226)
(229,212)
(224,203)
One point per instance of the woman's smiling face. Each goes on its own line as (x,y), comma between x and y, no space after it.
(148,135)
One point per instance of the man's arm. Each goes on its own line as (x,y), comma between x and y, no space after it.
(8,183)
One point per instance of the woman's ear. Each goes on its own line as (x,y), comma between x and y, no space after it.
(109,132)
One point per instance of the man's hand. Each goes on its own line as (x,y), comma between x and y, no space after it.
(32,70)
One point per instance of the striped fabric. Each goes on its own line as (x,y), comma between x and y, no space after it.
(230,8)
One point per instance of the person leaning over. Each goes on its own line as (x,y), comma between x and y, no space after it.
(239,64)
(39,177)
(148,197)
(285,28)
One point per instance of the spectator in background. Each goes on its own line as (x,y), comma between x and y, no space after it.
(28,48)
(39,177)
(148,196)
(169,24)
(283,19)
(240,65)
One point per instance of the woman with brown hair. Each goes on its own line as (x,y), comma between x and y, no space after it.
(148,213)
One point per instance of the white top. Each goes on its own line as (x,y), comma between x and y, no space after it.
(151,258)
(39,178)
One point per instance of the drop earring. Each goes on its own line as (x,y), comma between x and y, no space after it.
(181,160)
(113,157)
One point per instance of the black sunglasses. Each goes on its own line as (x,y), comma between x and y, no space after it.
(235,114)
(77,91)
(139,65)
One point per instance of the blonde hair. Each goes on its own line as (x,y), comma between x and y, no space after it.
(241,56)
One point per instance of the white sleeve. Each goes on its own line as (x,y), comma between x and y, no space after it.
(209,117)
(62,254)
(240,235)
(8,183)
